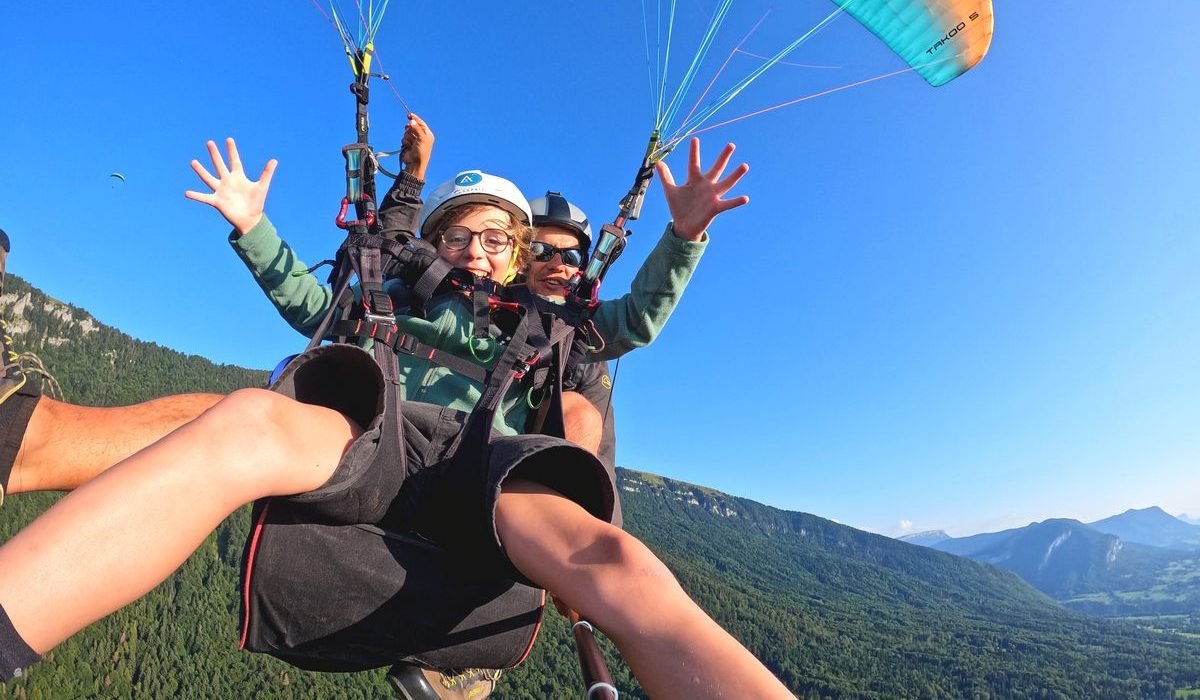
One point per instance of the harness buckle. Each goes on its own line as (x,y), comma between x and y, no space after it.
(377,304)
(378,311)
(406,343)
(494,304)
(525,365)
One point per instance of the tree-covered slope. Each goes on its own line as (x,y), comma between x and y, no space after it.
(99,365)
(845,613)
(1090,570)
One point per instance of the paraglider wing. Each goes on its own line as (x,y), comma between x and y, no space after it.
(940,39)
(119,176)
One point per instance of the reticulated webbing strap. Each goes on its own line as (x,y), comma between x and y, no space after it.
(345,309)
(377,305)
(430,280)
(538,329)
(549,416)
(482,311)
(370,272)
(341,281)
(375,300)
(510,365)
(387,362)
(391,338)
(419,267)
(544,420)
(540,376)
(386,335)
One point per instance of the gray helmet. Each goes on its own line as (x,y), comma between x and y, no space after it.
(555,210)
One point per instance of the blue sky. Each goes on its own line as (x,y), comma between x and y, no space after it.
(968,308)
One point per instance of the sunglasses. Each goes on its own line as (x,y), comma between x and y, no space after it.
(544,252)
(493,240)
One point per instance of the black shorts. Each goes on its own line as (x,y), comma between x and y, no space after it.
(15,412)
(397,556)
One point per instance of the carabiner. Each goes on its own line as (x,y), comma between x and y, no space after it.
(341,222)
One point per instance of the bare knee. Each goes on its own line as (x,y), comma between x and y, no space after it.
(271,434)
(563,546)
(624,578)
(276,421)
(625,556)
(252,411)
(595,567)
(248,421)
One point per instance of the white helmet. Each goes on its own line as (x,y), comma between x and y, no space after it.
(555,210)
(473,187)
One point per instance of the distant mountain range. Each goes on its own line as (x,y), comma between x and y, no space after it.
(1141,562)
(1152,526)
(926,538)
(835,612)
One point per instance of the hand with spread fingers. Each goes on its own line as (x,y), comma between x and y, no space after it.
(697,202)
(416,146)
(239,199)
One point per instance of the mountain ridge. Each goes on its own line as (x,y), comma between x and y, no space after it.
(1152,526)
(1090,570)
(925,537)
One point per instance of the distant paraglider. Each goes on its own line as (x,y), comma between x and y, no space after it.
(114,177)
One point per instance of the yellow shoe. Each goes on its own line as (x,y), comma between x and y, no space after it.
(416,683)
(12,378)
(464,684)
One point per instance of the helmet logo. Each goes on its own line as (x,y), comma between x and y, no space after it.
(468,179)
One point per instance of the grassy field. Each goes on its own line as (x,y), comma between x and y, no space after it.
(1173,589)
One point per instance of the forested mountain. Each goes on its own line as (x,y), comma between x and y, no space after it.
(1093,571)
(1058,557)
(99,365)
(1152,526)
(835,611)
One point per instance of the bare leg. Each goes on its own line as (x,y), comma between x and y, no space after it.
(582,422)
(67,445)
(163,501)
(160,504)
(674,648)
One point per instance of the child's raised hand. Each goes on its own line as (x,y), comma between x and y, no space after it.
(416,146)
(239,199)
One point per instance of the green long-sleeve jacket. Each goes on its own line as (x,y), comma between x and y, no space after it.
(629,322)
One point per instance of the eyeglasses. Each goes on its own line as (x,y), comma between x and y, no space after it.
(493,240)
(544,252)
